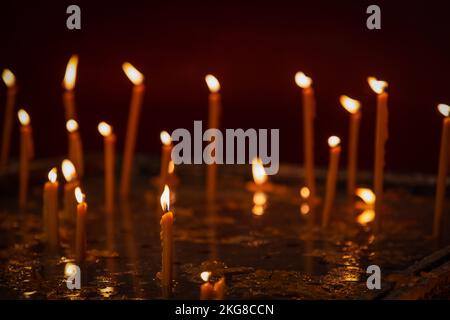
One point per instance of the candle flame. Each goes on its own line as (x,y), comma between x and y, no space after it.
(68,170)
(302,80)
(71,73)
(70,269)
(366,195)
(104,129)
(377,85)
(444,109)
(305,192)
(166,139)
(8,77)
(24,117)
(259,198)
(304,208)
(53,175)
(351,105)
(71,125)
(334,141)
(165,199)
(133,74)
(259,174)
(79,195)
(366,216)
(213,83)
(171,167)
(258,210)
(205,275)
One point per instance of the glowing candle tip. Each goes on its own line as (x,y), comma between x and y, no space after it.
(24,117)
(302,80)
(8,77)
(104,129)
(334,141)
(212,83)
(71,73)
(351,105)
(166,139)
(165,199)
(132,73)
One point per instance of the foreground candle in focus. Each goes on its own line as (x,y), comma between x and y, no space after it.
(166,242)
(10,81)
(381,137)
(70,202)
(137,79)
(26,153)
(75,153)
(109,139)
(69,86)
(80,239)
(50,210)
(166,150)
(353,107)
(309,107)
(207,288)
(333,166)
(444,155)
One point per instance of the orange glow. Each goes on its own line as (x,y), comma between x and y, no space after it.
(304,208)
(205,275)
(165,199)
(212,83)
(133,74)
(365,217)
(444,109)
(9,78)
(24,117)
(79,195)
(71,125)
(302,80)
(70,269)
(52,175)
(259,174)
(259,198)
(351,105)
(305,192)
(334,141)
(366,195)
(166,139)
(171,167)
(71,73)
(258,210)
(68,170)
(377,86)
(104,129)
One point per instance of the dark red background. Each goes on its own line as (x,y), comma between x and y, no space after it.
(254,48)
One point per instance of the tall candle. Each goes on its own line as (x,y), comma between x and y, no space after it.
(109,139)
(309,107)
(333,166)
(70,202)
(133,122)
(50,210)
(444,155)
(10,81)
(166,241)
(80,239)
(26,154)
(166,150)
(381,137)
(69,86)
(353,107)
(75,153)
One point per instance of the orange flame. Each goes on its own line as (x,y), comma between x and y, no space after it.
(444,109)
(351,105)
(79,195)
(366,216)
(133,74)
(165,199)
(377,85)
(212,83)
(8,77)
(53,175)
(71,125)
(205,275)
(68,170)
(259,174)
(366,195)
(104,129)
(334,141)
(166,139)
(71,73)
(305,192)
(302,80)
(24,117)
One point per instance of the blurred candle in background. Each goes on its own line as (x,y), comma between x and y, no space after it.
(109,141)
(69,86)
(166,151)
(75,153)
(10,80)
(26,154)
(70,175)
(333,166)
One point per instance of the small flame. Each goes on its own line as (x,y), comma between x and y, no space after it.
(302,80)
(8,78)
(133,74)
(24,117)
(52,175)
(377,85)
(166,139)
(351,105)
(366,195)
(205,275)
(366,216)
(444,109)
(213,83)
(259,198)
(165,199)
(70,269)
(68,170)
(79,195)
(305,192)
(334,141)
(104,129)
(71,73)
(171,167)
(304,208)
(71,125)
(259,174)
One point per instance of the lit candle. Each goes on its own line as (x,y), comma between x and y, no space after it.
(137,79)
(166,241)
(335,151)
(70,175)
(26,154)
(368,198)
(50,210)
(10,81)
(442,170)
(109,139)
(353,107)
(80,240)
(75,153)
(69,85)
(381,137)
(166,150)
(207,288)
(309,110)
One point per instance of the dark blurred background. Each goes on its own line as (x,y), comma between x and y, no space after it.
(254,48)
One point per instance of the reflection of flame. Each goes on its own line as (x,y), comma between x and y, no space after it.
(258,210)
(304,208)
(68,170)
(8,77)
(71,125)
(24,117)
(104,129)
(351,105)
(366,195)
(52,175)
(259,198)
(305,193)
(171,167)
(132,73)
(79,195)
(334,141)
(212,83)
(71,73)
(259,174)
(302,80)
(444,109)
(165,199)
(205,275)
(166,139)
(366,216)
(377,85)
